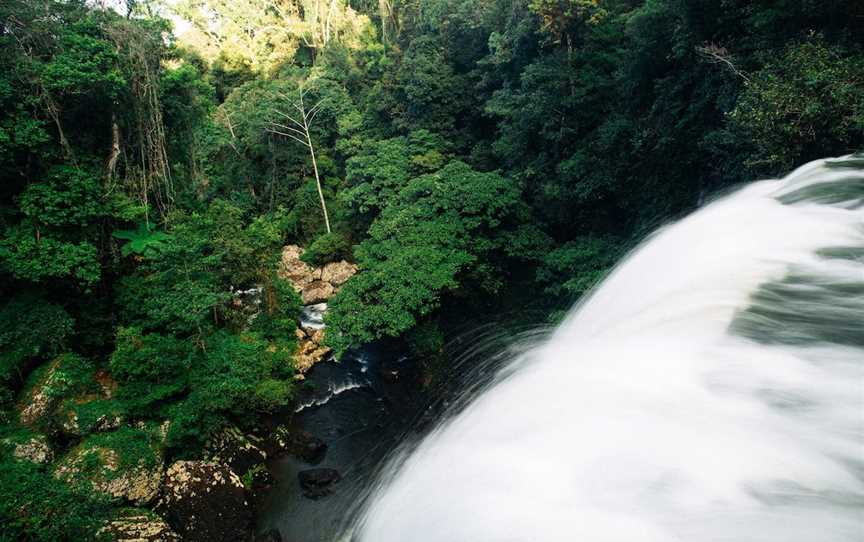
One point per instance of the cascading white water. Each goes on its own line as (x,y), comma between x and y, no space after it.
(711,389)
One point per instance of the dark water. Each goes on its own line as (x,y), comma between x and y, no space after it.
(373,403)
(362,408)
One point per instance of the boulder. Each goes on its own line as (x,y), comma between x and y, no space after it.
(35,449)
(125,464)
(71,397)
(315,292)
(205,501)
(293,269)
(318,482)
(309,353)
(261,479)
(316,336)
(337,273)
(301,444)
(87,414)
(42,397)
(139,527)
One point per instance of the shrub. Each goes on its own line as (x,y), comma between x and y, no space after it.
(326,248)
(151,368)
(36,506)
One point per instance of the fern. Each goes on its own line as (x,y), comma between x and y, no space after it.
(143,241)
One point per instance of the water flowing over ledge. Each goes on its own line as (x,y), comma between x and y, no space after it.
(710,389)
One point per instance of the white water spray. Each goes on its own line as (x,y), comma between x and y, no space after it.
(710,390)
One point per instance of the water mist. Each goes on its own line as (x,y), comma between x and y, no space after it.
(710,389)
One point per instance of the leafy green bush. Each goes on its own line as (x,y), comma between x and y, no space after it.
(327,248)
(55,238)
(572,269)
(280,310)
(235,376)
(151,368)
(199,387)
(804,104)
(377,173)
(30,329)
(185,285)
(442,231)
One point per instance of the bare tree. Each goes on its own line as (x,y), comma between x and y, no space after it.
(298,130)
(716,54)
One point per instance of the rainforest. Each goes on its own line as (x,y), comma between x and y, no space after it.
(303,270)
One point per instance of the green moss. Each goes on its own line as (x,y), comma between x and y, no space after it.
(104,457)
(66,375)
(12,435)
(134,447)
(90,413)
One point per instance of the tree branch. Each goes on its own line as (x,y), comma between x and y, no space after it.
(295,138)
(715,54)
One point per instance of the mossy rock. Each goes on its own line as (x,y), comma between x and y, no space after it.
(125,464)
(26,445)
(137,525)
(66,376)
(80,416)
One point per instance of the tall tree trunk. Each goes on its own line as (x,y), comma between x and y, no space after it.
(317,179)
(114,155)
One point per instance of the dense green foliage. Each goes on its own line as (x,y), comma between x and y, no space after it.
(440,232)
(34,506)
(473,155)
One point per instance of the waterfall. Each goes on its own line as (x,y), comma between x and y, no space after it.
(710,389)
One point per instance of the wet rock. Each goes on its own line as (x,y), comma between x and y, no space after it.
(316,336)
(262,478)
(205,501)
(318,483)
(317,291)
(135,527)
(301,444)
(390,375)
(338,273)
(35,449)
(309,350)
(239,451)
